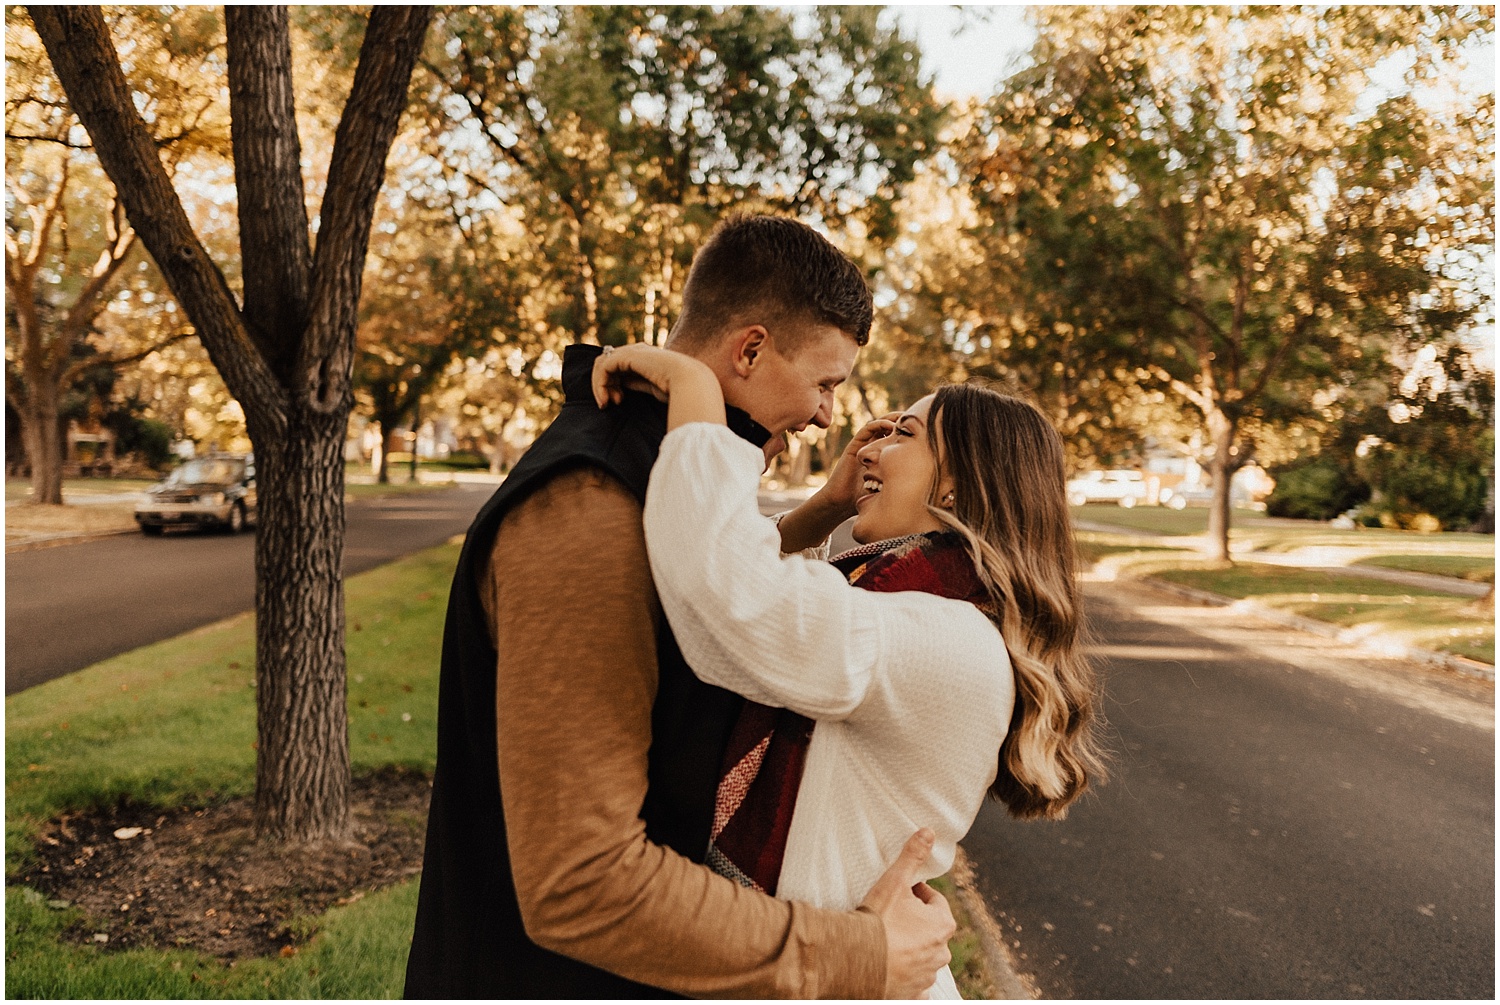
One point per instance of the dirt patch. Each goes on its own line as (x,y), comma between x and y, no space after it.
(198,878)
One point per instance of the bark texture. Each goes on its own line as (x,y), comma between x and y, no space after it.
(41,435)
(286,357)
(1226,460)
(268,180)
(302,762)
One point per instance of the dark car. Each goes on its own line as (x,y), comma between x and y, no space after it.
(216,491)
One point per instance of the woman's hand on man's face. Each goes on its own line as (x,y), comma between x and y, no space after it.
(843,485)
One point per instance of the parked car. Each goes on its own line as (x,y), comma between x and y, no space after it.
(215,491)
(1121,487)
(1182,498)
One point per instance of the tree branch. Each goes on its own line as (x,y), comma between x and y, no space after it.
(275,253)
(121,240)
(60,141)
(355,173)
(468,90)
(1197,310)
(83,56)
(1278,356)
(45,216)
(1201,401)
(15,388)
(84,365)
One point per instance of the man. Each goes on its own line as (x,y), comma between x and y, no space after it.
(578,757)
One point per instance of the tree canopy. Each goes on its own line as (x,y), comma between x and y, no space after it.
(1202,201)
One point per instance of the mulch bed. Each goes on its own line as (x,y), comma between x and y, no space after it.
(198,878)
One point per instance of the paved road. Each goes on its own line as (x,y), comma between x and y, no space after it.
(1287,820)
(69,606)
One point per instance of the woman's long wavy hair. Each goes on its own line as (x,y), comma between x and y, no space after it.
(1010,505)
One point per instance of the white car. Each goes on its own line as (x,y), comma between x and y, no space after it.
(216,491)
(1123,488)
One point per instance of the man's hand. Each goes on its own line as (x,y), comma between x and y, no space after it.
(918,923)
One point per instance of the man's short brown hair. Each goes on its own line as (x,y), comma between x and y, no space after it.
(772,271)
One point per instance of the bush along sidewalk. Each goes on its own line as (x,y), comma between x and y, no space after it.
(131,872)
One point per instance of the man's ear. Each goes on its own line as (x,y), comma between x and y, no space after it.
(750,346)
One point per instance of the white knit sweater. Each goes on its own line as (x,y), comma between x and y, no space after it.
(912,693)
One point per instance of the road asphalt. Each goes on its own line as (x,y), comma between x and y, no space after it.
(69,606)
(1288,818)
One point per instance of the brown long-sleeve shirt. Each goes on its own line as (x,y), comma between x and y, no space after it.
(574,615)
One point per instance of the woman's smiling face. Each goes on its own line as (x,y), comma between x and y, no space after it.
(899,470)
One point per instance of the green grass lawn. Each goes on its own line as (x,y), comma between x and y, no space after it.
(1280,534)
(1476,569)
(173,724)
(1401,613)
(1286,536)
(1092,550)
(366,490)
(18,489)
(1160,520)
(359,952)
(970,972)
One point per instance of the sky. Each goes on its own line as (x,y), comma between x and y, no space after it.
(968,49)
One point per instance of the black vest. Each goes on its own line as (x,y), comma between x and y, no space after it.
(469,941)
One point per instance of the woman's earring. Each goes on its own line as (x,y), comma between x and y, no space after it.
(948,499)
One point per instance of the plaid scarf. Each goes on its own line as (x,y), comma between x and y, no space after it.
(767,750)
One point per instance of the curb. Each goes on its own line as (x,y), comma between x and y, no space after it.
(1348,636)
(53,540)
(1008,983)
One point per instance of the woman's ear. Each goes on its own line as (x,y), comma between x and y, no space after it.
(945,492)
(749,348)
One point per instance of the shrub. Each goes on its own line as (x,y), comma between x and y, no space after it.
(465,459)
(1443,481)
(1319,489)
(151,439)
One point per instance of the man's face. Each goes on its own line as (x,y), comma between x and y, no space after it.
(788,395)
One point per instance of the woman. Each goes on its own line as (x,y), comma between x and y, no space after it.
(954,669)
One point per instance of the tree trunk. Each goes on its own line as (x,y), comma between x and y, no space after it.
(416,430)
(1221,469)
(302,772)
(289,368)
(383,471)
(586,290)
(41,432)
